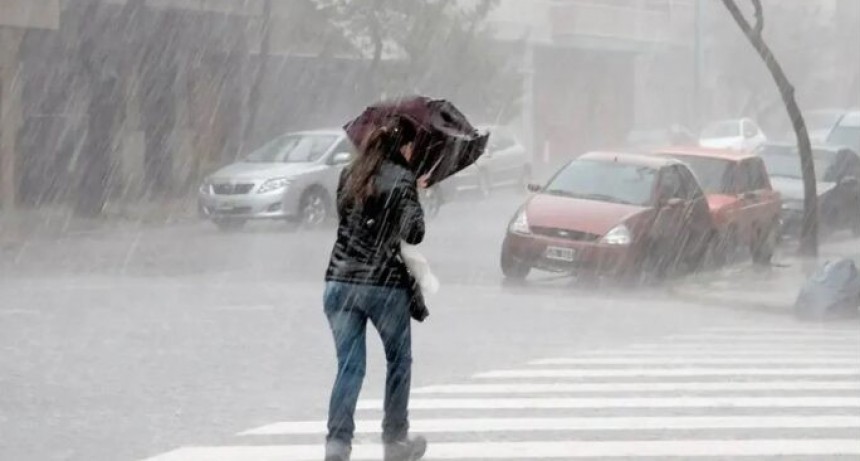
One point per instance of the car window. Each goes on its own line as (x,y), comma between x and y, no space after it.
(293,148)
(758,175)
(671,184)
(604,181)
(711,173)
(691,187)
(846,132)
(345,145)
(784,162)
(845,164)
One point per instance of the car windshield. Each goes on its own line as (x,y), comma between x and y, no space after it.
(293,148)
(605,182)
(847,133)
(712,173)
(784,162)
(727,129)
(822,120)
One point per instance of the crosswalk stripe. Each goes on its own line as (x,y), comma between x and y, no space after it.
(544,450)
(812,329)
(794,337)
(615,402)
(663,372)
(702,361)
(774,341)
(704,352)
(808,380)
(477,425)
(613,387)
(734,347)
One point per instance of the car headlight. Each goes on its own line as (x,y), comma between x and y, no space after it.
(618,235)
(274,184)
(520,225)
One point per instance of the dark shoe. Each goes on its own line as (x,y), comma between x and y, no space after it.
(335,450)
(406,449)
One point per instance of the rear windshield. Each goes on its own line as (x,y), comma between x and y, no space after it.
(784,162)
(713,173)
(605,182)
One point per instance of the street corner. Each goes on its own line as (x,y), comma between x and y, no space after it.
(768,289)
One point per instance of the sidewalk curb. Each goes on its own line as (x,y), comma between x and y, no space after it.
(772,292)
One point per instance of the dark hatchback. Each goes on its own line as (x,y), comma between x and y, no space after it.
(837,171)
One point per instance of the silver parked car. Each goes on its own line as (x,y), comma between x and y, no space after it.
(292,178)
(505,163)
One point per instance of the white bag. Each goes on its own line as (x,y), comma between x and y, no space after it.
(419,268)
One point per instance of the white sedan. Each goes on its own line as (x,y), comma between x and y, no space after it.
(737,134)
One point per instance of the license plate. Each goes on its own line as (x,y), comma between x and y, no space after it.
(560,254)
(226,206)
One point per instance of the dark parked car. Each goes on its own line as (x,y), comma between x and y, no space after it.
(837,171)
(612,214)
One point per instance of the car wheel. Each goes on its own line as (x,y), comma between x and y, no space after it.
(229,224)
(723,247)
(764,245)
(696,252)
(513,269)
(485,187)
(314,208)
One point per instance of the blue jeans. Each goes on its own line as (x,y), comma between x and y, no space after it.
(348,307)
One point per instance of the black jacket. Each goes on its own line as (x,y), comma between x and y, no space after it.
(367,249)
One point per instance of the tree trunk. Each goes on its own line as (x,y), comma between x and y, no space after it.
(809,232)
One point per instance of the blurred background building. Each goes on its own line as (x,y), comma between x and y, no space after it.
(136,99)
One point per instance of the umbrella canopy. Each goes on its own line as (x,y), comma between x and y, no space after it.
(445,144)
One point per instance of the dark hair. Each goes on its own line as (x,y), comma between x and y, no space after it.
(383,142)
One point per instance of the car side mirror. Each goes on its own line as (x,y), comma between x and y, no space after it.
(534,187)
(341,158)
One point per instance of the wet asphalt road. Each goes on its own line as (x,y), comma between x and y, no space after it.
(122,345)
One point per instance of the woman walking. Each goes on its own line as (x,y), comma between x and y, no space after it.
(377,204)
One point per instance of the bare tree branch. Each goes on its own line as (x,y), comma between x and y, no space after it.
(759,17)
(809,231)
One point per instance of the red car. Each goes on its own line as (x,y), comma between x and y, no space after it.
(610,214)
(744,207)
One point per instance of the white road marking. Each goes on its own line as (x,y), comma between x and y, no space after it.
(751,347)
(750,331)
(699,361)
(615,402)
(544,449)
(705,352)
(663,372)
(708,386)
(776,337)
(478,425)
